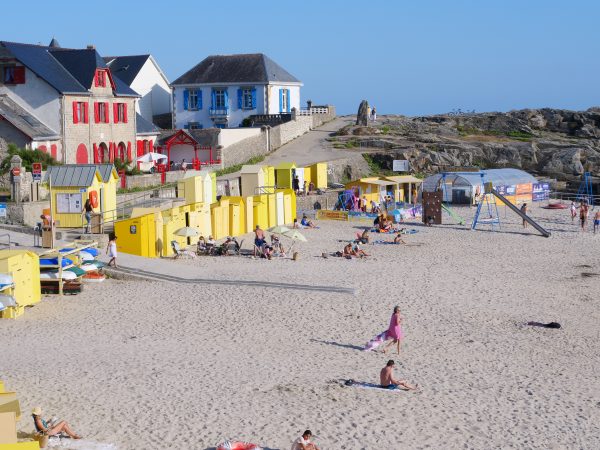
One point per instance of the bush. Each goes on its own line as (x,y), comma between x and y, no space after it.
(29,157)
(125,165)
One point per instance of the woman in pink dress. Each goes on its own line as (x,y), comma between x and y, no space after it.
(394,331)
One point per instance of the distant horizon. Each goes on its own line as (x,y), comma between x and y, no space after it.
(411,59)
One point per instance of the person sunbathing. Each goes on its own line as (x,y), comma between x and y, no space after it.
(306,222)
(357,251)
(398,239)
(304,442)
(386,378)
(51,429)
(363,237)
(348,253)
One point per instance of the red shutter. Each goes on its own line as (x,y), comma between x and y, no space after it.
(96,79)
(140,148)
(19,75)
(125,112)
(106,114)
(110,151)
(96,158)
(75,113)
(115,112)
(86,118)
(96,112)
(151,146)
(129,151)
(53,151)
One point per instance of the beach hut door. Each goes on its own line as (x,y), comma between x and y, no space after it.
(280,209)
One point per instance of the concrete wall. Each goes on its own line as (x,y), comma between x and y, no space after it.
(309,202)
(230,136)
(242,151)
(26,213)
(154,89)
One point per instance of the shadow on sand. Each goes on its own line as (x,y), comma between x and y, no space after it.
(337,344)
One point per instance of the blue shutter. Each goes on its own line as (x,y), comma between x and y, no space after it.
(186,98)
(253,98)
(288,100)
(280,100)
(199,98)
(226,97)
(213,99)
(240,99)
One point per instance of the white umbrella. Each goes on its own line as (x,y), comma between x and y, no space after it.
(151,157)
(294,235)
(279,229)
(187,232)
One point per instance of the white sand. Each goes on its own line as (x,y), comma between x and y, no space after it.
(153,365)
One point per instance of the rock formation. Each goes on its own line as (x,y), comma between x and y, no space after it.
(362,118)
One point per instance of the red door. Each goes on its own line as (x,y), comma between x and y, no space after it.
(81,157)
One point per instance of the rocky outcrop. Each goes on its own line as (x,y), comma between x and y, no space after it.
(362,118)
(558,143)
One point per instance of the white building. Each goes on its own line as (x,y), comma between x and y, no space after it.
(221,91)
(142,74)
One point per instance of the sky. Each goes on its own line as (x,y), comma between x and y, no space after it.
(411,57)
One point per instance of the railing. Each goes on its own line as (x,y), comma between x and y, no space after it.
(5,244)
(270,119)
(219,112)
(265,190)
(312,110)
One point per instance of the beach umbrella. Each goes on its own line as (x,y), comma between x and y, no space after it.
(187,232)
(151,157)
(279,229)
(294,235)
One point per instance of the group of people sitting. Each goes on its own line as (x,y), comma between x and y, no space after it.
(265,250)
(305,222)
(383,223)
(209,246)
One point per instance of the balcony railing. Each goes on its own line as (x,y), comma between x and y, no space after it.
(219,112)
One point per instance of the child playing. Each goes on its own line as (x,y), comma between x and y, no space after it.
(111,250)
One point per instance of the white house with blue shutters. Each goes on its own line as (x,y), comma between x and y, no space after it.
(222,91)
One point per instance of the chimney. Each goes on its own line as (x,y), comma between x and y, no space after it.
(91,47)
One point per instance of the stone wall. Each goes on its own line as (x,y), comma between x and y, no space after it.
(25,213)
(242,151)
(154,179)
(311,202)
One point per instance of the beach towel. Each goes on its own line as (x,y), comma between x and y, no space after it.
(387,242)
(85,256)
(377,230)
(375,342)
(365,385)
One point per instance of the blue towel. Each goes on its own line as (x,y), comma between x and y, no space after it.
(54,262)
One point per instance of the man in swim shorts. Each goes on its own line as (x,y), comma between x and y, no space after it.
(259,238)
(596,221)
(387,381)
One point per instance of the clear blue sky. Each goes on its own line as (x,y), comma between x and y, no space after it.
(406,57)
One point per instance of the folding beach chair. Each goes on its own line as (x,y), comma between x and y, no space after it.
(179,253)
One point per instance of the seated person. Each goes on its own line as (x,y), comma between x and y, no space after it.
(386,378)
(357,251)
(377,220)
(296,224)
(398,239)
(311,187)
(363,237)
(347,252)
(303,442)
(306,222)
(230,245)
(201,245)
(385,224)
(277,245)
(267,251)
(51,429)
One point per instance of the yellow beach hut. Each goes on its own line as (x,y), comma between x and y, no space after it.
(260,211)
(24,267)
(138,235)
(284,174)
(269,177)
(406,186)
(318,175)
(71,185)
(372,188)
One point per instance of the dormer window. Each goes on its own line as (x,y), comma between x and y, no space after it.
(100,78)
(13,75)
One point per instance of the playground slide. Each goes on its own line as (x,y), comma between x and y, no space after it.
(525,217)
(452,214)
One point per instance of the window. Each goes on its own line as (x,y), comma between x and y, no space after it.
(193,99)
(194,126)
(101,112)
(220,98)
(80,112)
(13,75)
(101,78)
(247,96)
(120,112)
(284,100)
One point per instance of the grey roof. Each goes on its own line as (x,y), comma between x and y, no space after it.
(250,68)
(22,120)
(206,137)
(142,126)
(66,70)
(126,67)
(71,175)
(106,171)
(498,177)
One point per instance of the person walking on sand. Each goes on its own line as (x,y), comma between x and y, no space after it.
(304,443)
(387,381)
(394,331)
(583,213)
(596,221)
(111,250)
(573,211)
(524,211)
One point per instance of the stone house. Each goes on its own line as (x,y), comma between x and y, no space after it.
(222,90)
(81,112)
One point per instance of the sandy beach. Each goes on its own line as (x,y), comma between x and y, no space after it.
(157,365)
